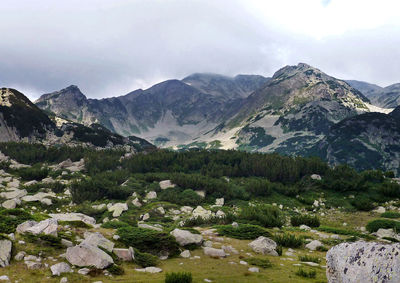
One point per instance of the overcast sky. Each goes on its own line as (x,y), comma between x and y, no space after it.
(109,48)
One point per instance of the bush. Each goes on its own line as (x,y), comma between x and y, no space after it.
(116,270)
(311,221)
(306,274)
(146,240)
(263,215)
(178,277)
(390,189)
(279,250)
(35,172)
(242,232)
(114,224)
(363,203)
(391,214)
(307,258)
(288,240)
(175,195)
(57,187)
(11,218)
(341,231)
(44,240)
(87,209)
(375,225)
(145,259)
(261,262)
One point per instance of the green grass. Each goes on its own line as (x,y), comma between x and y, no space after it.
(308,258)
(306,274)
(260,262)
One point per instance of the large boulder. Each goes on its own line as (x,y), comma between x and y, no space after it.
(61,267)
(73,217)
(23,227)
(11,203)
(202,212)
(365,262)
(264,245)
(184,237)
(166,184)
(48,227)
(98,240)
(15,193)
(5,252)
(313,245)
(125,254)
(87,255)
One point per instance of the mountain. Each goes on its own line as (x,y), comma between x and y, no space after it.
(294,110)
(21,120)
(370,140)
(169,113)
(387,97)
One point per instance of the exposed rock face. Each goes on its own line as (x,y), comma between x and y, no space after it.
(87,255)
(5,252)
(264,245)
(184,237)
(365,262)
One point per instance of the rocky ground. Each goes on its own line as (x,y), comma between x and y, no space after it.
(49,240)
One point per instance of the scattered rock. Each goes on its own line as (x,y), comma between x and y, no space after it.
(365,262)
(20,256)
(264,245)
(145,217)
(64,280)
(147,226)
(5,252)
(84,271)
(87,255)
(150,269)
(313,245)
(220,214)
(201,212)
(33,264)
(166,184)
(11,203)
(230,250)
(219,202)
(235,225)
(151,195)
(208,244)
(66,243)
(4,278)
(96,239)
(47,227)
(304,227)
(117,209)
(125,254)
(185,254)
(184,237)
(380,209)
(201,193)
(59,268)
(254,269)
(187,209)
(382,233)
(316,177)
(136,202)
(14,194)
(217,253)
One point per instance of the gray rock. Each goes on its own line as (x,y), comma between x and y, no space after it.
(5,252)
(117,209)
(264,245)
(4,278)
(125,254)
(23,227)
(10,204)
(235,225)
(87,255)
(20,256)
(73,217)
(304,227)
(84,271)
(136,202)
(365,262)
(33,264)
(96,239)
(184,237)
(316,177)
(146,226)
(66,243)
(61,267)
(14,194)
(212,252)
(150,269)
(185,254)
(313,245)
(254,269)
(47,227)
(208,244)
(166,184)
(381,233)
(64,280)
(151,195)
(230,250)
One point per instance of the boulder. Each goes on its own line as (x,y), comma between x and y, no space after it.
(254,269)
(38,197)
(48,227)
(219,202)
(316,177)
(388,233)
(201,193)
(97,240)
(304,227)
(136,202)
(365,262)
(87,255)
(380,209)
(125,254)
(313,245)
(185,254)
(212,252)
(117,209)
(73,217)
(166,184)
(220,214)
(13,194)
(33,264)
(201,212)
(151,195)
(10,204)
(59,268)
(20,256)
(146,226)
(184,237)
(4,278)
(264,245)
(5,252)
(150,269)
(187,209)
(230,250)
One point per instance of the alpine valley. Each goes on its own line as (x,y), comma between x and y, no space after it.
(299,111)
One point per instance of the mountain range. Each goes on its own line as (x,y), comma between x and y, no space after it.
(300,110)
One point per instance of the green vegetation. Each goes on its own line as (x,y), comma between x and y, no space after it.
(288,240)
(391,214)
(11,218)
(308,258)
(261,262)
(311,221)
(145,259)
(266,216)
(178,277)
(243,231)
(306,274)
(377,224)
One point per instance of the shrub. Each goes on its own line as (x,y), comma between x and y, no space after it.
(261,262)
(199,221)
(307,258)
(265,215)
(243,231)
(116,270)
(311,221)
(175,195)
(279,250)
(391,214)
(390,189)
(375,225)
(36,172)
(363,203)
(145,259)
(306,274)
(114,224)
(44,240)
(178,277)
(76,224)
(146,240)
(57,187)
(87,209)
(11,218)
(258,187)
(288,240)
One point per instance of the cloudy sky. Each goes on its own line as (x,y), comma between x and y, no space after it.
(109,48)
